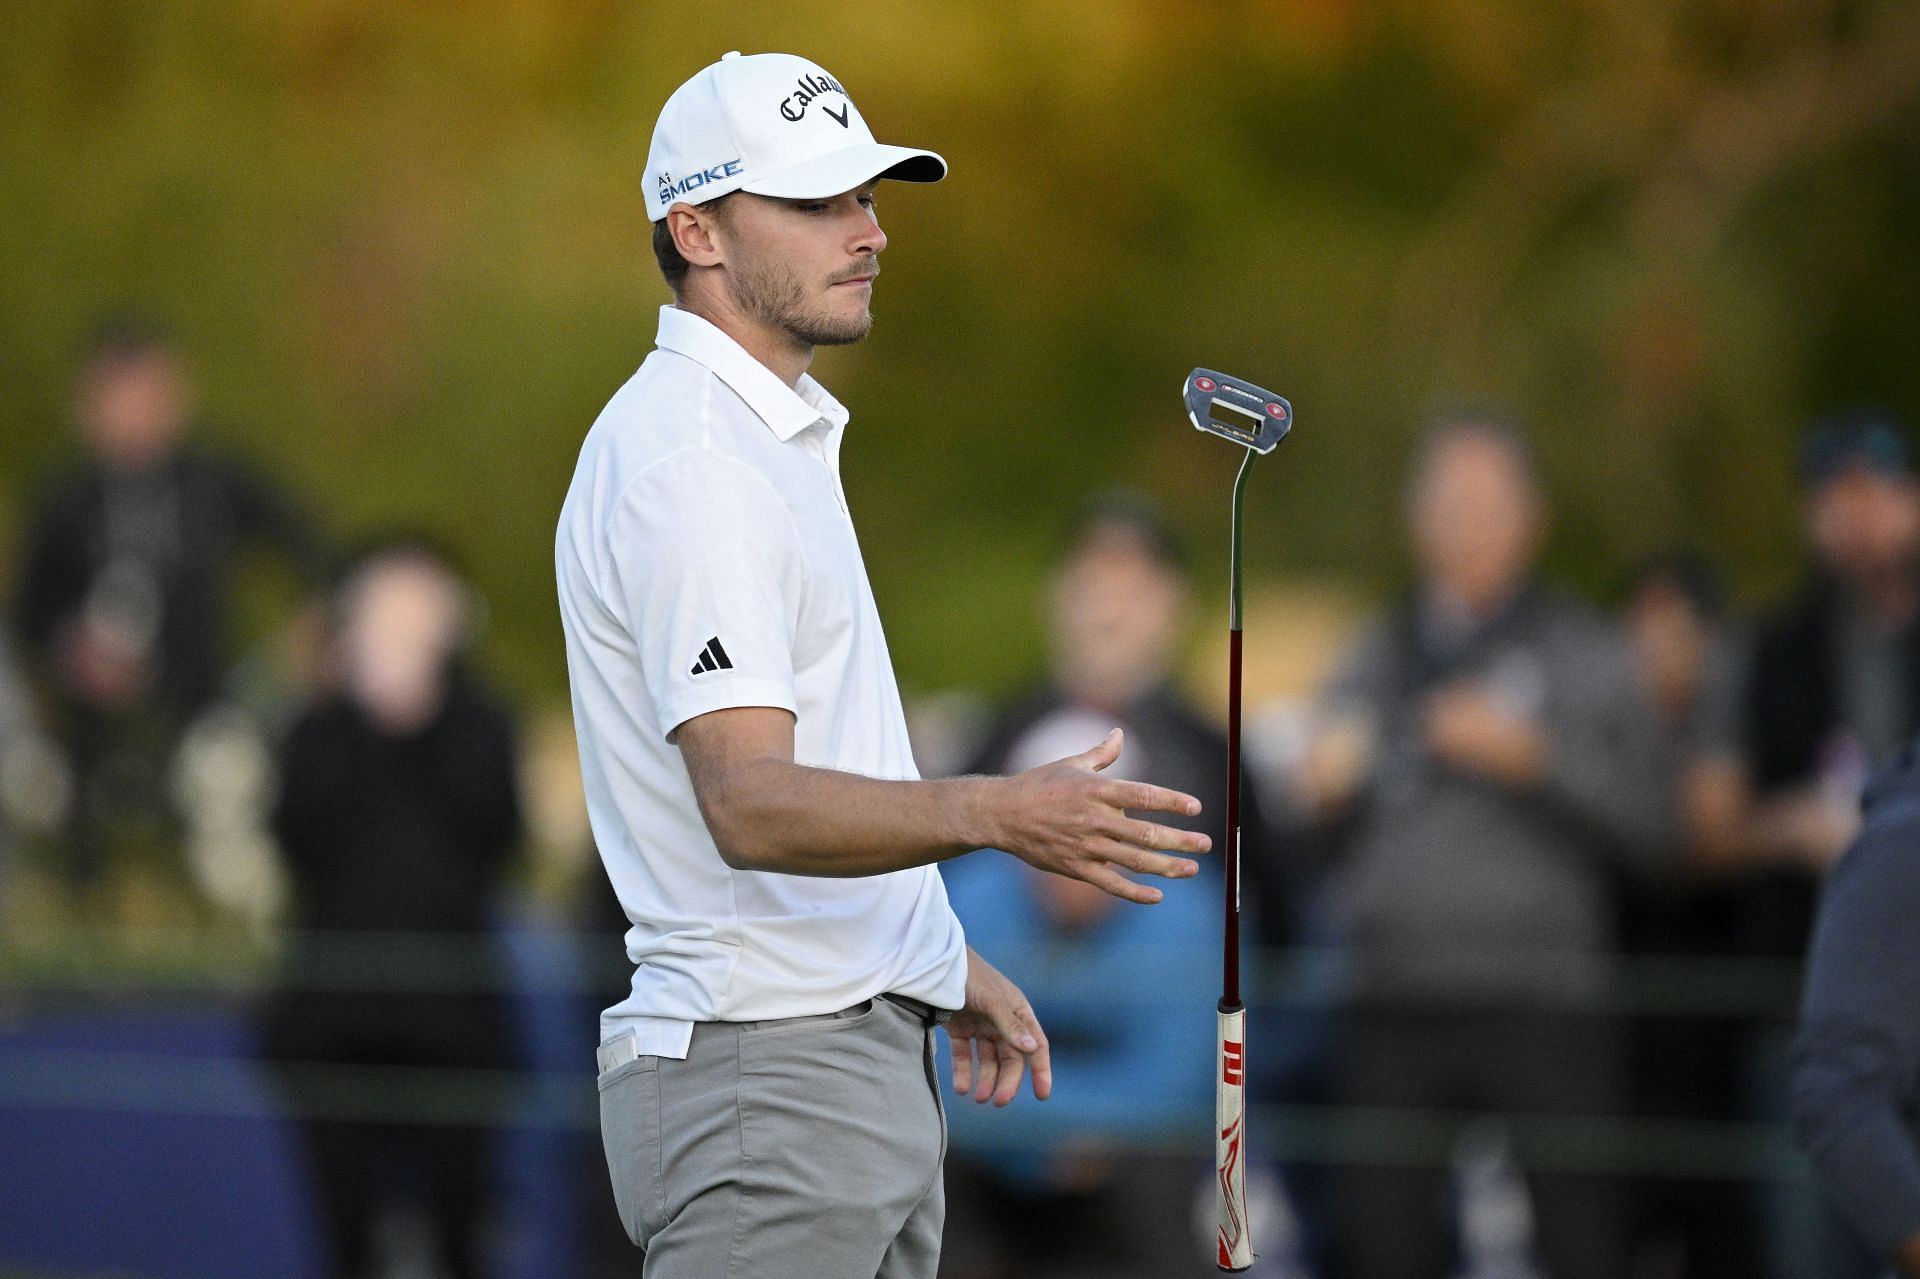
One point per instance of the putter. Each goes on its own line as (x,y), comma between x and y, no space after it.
(1256,420)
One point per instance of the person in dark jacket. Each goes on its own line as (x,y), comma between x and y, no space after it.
(398,817)
(1834,687)
(122,598)
(1832,694)
(1857,1067)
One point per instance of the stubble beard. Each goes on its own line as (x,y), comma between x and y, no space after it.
(775,297)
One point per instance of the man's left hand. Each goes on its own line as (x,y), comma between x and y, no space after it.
(996,1037)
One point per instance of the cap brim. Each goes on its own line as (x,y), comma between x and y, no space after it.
(846,169)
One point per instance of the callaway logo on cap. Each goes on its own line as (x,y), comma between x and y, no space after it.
(772,124)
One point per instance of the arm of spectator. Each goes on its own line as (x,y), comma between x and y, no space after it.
(1787,821)
(1802,824)
(266,514)
(1338,762)
(1858,1053)
(267,517)
(49,588)
(1611,769)
(1595,756)
(1466,727)
(1714,803)
(768,813)
(1716,792)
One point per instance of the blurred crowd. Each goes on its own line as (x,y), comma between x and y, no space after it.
(1493,863)
(358,784)
(1559,862)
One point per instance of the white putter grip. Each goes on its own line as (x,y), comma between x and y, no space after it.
(1230,1149)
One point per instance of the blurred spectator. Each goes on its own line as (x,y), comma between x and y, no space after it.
(121,606)
(1834,687)
(1132,1040)
(1488,765)
(1833,691)
(1689,661)
(1857,1084)
(1116,612)
(1091,1204)
(398,815)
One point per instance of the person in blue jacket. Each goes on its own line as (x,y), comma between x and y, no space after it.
(1130,1023)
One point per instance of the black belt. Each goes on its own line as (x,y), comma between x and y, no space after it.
(924,1011)
(622,1049)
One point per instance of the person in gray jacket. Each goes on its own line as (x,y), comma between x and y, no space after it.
(1486,768)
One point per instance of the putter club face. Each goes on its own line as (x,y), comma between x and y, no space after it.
(1235,409)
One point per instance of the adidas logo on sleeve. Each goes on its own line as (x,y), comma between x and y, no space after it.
(712,658)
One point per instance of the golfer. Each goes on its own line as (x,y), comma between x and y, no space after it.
(767,1089)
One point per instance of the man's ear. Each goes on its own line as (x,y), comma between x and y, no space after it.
(693,234)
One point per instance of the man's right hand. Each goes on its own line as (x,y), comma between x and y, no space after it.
(1066,818)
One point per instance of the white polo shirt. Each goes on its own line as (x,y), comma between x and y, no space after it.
(706,559)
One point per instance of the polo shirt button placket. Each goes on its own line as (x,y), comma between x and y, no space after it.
(816,434)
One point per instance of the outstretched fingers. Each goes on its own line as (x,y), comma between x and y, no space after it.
(1114,884)
(1126,857)
(1145,797)
(1153,836)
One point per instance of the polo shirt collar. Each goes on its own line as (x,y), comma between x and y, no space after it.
(786,410)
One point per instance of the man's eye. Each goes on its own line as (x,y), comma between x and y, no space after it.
(866,202)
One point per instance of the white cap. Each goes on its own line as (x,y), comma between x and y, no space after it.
(772,124)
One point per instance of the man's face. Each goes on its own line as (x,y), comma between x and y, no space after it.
(1475,518)
(1863,522)
(133,408)
(803,267)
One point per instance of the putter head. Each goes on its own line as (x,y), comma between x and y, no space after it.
(1235,409)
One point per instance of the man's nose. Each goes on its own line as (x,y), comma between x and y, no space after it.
(870,238)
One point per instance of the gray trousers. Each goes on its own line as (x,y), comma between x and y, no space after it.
(808,1148)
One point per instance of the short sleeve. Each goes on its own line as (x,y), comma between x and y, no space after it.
(707,574)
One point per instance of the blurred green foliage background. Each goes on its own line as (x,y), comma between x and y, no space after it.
(404,246)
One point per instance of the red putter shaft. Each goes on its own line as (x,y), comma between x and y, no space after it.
(1230,969)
